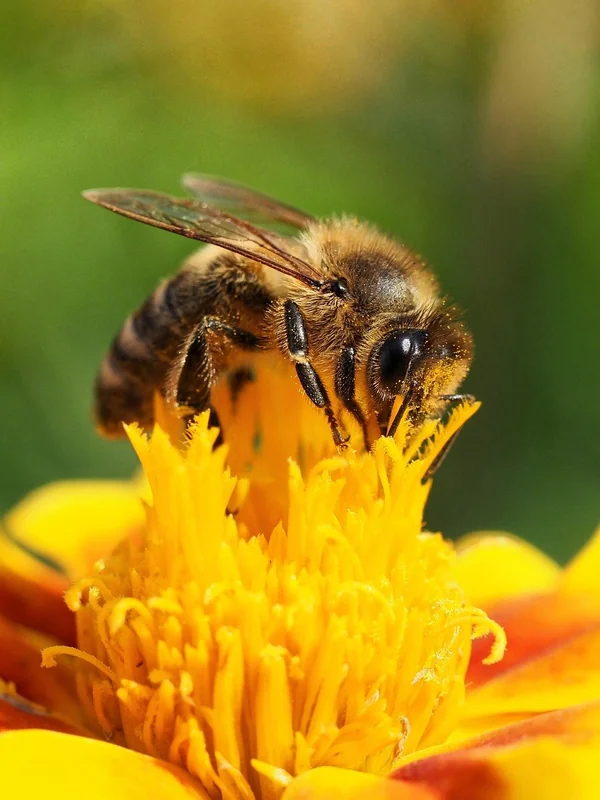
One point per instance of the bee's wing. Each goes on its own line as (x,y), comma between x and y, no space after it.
(200,221)
(245,203)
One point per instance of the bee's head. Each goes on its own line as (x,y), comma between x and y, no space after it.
(422,357)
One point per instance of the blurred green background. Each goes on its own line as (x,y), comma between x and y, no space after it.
(471,131)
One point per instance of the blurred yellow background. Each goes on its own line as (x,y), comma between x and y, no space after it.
(471,131)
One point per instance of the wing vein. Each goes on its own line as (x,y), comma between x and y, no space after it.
(198,220)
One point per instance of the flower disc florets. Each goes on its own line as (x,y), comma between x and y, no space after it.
(249,649)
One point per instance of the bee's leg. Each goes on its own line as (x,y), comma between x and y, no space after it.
(345,386)
(297,342)
(440,458)
(316,392)
(191,380)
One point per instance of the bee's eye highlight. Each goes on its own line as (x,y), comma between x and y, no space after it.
(396,355)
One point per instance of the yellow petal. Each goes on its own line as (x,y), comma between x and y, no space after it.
(57,766)
(471,728)
(581,574)
(548,768)
(327,783)
(16,560)
(71,525)
(494,566)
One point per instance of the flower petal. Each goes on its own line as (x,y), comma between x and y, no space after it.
(16,713)
(33,596)
(72,524)
(552,756)
(533,625)
(494,566)
(544,768)
(56,766)
(54,535)
(21,664)
(564,675)
(581,574)
(325,783)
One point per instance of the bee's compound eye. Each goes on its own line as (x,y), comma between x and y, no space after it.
(396,354)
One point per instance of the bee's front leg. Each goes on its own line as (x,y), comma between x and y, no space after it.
(297,344)
(441,456)
(345,388)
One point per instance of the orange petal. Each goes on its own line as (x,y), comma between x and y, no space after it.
(545,768)
(72,524)
(561,676)
(495,566)
(55,535)
(552,756)
(56,766)
(20,663)
(16,713)
(533,625)
(36,602)
(326,783)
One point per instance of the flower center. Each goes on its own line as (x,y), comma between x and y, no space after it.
(247,653)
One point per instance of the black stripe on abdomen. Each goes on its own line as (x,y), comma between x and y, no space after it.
(136,365)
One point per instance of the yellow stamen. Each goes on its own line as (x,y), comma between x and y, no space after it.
(318,625)
(49,659)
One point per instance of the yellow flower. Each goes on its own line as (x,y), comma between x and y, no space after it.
(289,633)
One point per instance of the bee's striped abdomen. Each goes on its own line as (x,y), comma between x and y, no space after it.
(136,365)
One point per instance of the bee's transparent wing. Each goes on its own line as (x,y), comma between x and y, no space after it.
(197,220)
(245,203)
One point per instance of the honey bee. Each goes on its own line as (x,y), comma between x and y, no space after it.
(358,315)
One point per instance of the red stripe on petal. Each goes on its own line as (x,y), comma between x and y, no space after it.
(455,778)
(562,676)
(533,625)
(20,663)
(39,606)
(17,714)
(503,764)
(571,725)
